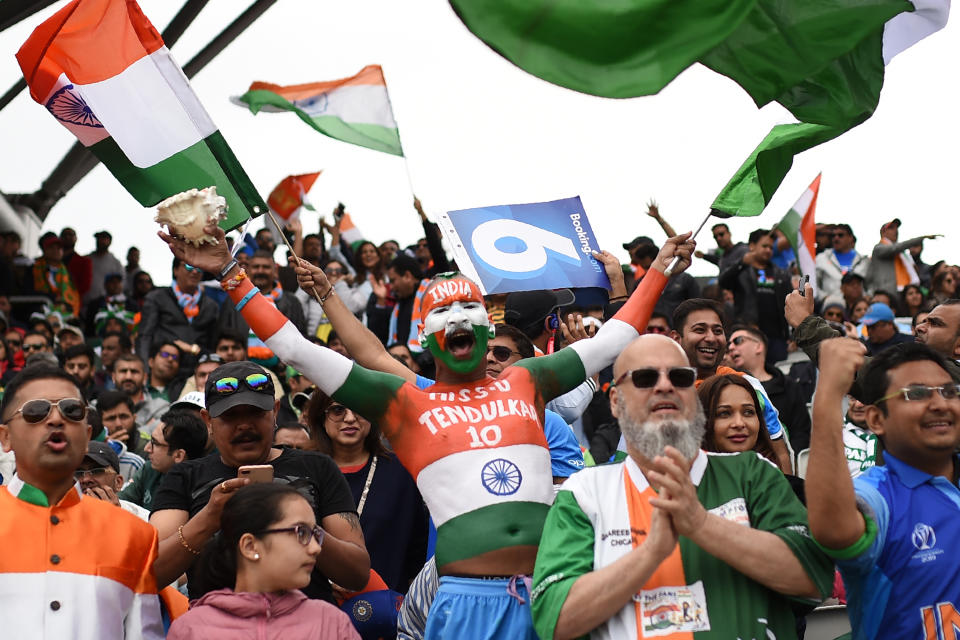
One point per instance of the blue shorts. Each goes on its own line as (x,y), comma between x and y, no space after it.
(480,609)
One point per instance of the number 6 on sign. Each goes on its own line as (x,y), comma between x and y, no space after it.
(523,264)
(490,436)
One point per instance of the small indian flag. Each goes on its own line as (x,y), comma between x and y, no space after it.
(102,70)
(800,228)
(349,231)
(355,109)
(287,197)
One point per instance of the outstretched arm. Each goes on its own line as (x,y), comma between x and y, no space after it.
(560,372)
(653,210)
(329,370)
(363,345)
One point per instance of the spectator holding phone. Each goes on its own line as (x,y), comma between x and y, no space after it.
(241,412)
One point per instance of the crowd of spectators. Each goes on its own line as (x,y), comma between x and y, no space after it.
(158,400)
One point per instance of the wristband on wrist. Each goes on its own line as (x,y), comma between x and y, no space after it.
(324,297)
(234,282)
(226,269)
(243,301)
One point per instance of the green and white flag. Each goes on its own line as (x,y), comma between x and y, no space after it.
(103,72)
(355,109)
(823,61)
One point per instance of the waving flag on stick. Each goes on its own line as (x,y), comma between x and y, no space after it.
(801,230)
(355,109)
(102,70)
(287,197)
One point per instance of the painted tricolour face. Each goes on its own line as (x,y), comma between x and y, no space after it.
(455,324)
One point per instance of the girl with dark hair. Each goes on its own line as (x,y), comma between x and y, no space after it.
(392,514)
(734,421)
(367,265)
(944,286)
(912,301)
(267,547)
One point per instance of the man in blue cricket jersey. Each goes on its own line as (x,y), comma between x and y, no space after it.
(892,530)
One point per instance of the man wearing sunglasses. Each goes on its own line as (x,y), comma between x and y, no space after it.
(99,477)
(241,409)
(673,528)
(475,445)
(72,566)
(893,529)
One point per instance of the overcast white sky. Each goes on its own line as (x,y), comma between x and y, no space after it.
(478,131)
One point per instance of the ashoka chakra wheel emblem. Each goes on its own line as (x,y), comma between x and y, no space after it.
(501,477)
(70,108)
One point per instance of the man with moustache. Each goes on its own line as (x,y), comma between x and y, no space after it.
(73,566)
(629,546)
(241,410)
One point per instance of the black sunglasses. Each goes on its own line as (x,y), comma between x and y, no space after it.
(647,377)
(502,354)
(35,411)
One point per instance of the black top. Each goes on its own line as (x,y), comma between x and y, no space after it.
(394,521)
(187,487)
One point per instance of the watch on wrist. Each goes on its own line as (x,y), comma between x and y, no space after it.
(230,265)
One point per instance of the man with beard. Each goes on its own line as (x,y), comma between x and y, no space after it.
(672,528)
(129,376)
(474,444)
(698,328)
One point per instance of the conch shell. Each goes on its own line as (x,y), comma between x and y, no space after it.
(187,213)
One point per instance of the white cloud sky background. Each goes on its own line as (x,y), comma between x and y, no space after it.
(478,131)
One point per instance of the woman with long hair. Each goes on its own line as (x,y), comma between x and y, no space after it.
(355,287)
(392,514)
(944,286)
(912,301)
(734,422)
(267,547)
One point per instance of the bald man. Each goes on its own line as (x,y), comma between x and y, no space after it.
(673,539)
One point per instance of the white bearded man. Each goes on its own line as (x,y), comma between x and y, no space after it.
(474,444)
(673,540)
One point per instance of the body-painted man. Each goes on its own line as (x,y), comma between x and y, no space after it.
(475,445)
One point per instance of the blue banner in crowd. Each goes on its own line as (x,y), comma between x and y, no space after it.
(524,247)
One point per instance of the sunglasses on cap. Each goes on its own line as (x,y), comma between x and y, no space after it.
(647,377)
(501,353)
(35,411)
(254,382)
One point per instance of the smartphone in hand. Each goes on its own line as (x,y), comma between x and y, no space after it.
(256,472)
(802,285)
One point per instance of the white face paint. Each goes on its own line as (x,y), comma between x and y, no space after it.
(459,315)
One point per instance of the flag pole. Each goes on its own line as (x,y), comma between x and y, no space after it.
(292,252)
(673,263)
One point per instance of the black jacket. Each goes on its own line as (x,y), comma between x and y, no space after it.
(742,280)
(163,320)
(792,407)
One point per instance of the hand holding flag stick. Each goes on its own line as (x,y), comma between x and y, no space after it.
(676,259)
(293,253)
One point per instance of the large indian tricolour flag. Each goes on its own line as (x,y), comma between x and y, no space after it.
(102,70)
(355,109)
(801,230)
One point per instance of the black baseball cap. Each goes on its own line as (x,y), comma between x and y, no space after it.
(259,395)
(103,454)
(636,242)
(849,276)
(527,309)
